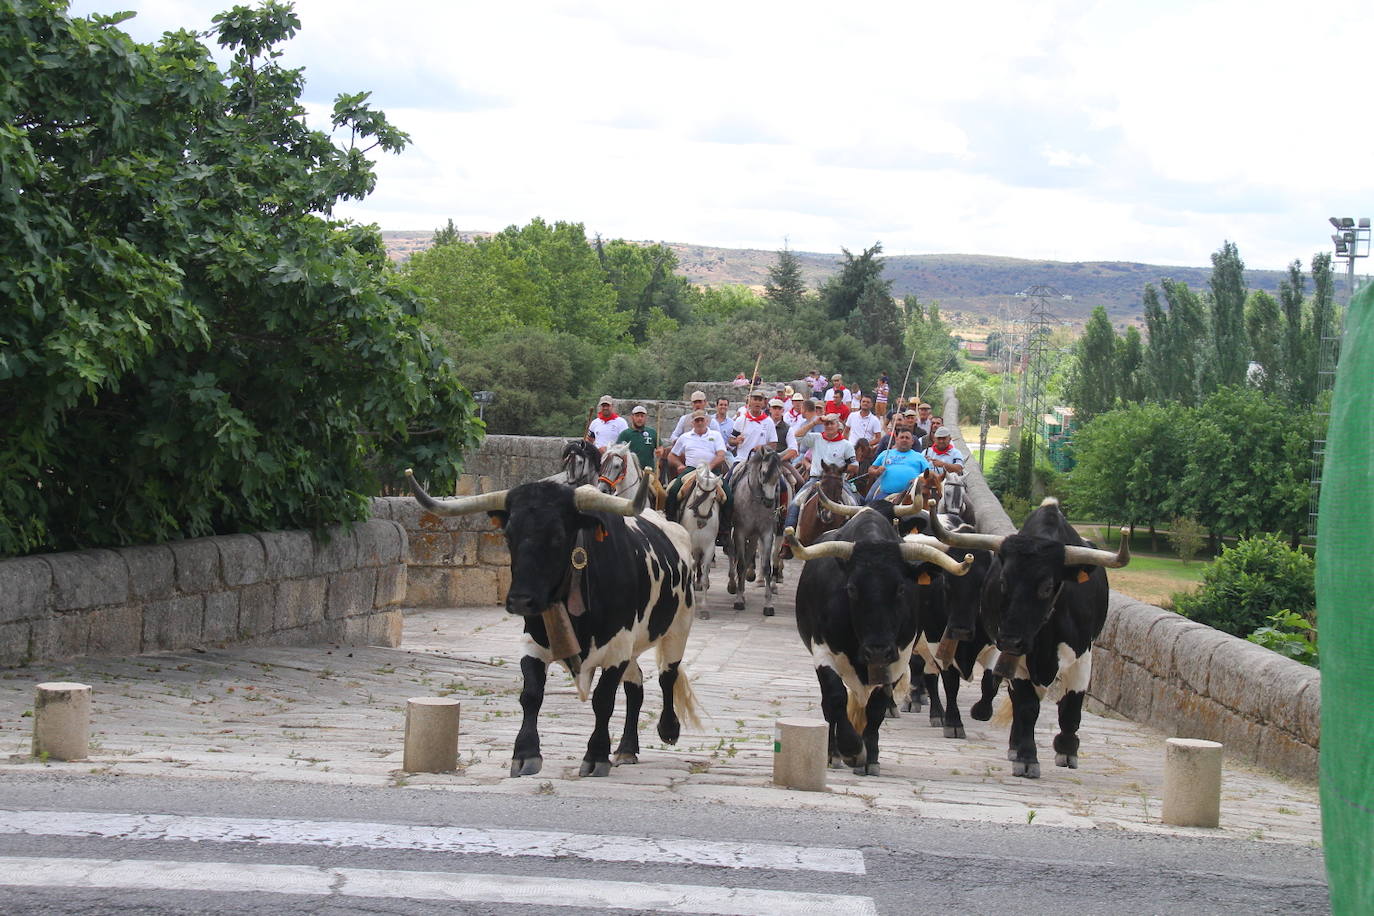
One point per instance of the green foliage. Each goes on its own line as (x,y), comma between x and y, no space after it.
(645,285)
(1264,331)
(1291,635)
(1128,463)
(445,235)
(1187,536)
(1229,348)
(1130,357)
(1094,380)
(187,347)
(840,294)
(714,304)
(543,380)
(1251,582)
(785,287)
(928,338)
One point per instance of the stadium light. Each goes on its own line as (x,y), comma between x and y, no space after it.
(1352,242)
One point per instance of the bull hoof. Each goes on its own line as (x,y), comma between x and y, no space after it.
(892,712)
(750,574)
(739,604)
(625,759)
(527,766)
(954,731)
(1029,770)
(1011,754)
(908,705)
(836,762)
(1066,760)
(599,768)
(868,769)
(937,721)
(703,614)
(669,729)
(730,586)
(982,711)
(768,612)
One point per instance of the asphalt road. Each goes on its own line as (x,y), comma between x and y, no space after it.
(101,844)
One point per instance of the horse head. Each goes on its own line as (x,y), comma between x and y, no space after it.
(581,463)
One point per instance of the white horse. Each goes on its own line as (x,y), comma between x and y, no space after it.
(621,473)
(701,518)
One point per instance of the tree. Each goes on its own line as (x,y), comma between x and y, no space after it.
(1095,379)
(1156,371)
(841,292)
(785,287)
(189,346)
(875,320)
(645,284)
(931,348)
(1128,463)
(1186,339)
(1228,315)
(445,235)
(1321,323)
(1265,331)
(1294,345)
(1130,357)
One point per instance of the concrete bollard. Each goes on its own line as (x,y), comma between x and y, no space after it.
(431,743)
(62,721)
(1192,782)
(800,748)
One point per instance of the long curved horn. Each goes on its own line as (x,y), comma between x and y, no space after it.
(462,505)
(906,511)
(976,541)
(1090,556)
(837,508)
(924,553)
(588,498)
(840,550)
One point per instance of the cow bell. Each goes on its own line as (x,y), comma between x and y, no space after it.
(563,644)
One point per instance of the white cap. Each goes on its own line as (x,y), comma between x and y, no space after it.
(638,409)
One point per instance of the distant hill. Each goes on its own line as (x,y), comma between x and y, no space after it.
(973,286)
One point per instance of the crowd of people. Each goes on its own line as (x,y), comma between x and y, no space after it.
(812,423)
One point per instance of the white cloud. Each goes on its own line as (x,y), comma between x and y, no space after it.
(1070,129)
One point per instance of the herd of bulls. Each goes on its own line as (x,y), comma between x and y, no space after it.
(884,607)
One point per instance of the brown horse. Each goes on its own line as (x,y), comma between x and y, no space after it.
(863,456)
(815,519)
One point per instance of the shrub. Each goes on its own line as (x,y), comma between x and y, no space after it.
(1251,582)
(1289,635)
(1187,537)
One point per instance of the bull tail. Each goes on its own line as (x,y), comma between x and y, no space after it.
(685,700)
(1001,710)
(856,709)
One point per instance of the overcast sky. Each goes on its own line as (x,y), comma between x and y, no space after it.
(1062,130)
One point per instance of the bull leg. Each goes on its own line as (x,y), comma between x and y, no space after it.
(669,728)
(1066,742)
(982,710)
(1025,710)
(526,760)
(931,680)
(954,722)
(836,761)
(916,696)
(597,760)
(834,703)
(877,708)
(628,750)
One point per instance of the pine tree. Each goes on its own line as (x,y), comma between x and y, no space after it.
(785,287)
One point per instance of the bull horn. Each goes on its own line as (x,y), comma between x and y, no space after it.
(963,539)
(1091,556)
(588,498)
(837,508)
(494,501)
(924,553)
(840,550)
(906,511)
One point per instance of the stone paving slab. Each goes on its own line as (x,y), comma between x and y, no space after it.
(336,715)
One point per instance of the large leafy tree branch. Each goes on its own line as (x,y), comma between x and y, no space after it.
(190,344)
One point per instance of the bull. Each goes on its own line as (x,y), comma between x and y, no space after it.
(857,613)
(622,573)
(1042,613)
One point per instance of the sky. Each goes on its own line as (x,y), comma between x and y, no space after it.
(1057,129)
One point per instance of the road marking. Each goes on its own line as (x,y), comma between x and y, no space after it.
(475,840)
(305,880)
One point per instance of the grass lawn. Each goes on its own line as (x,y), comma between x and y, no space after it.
(1150,577)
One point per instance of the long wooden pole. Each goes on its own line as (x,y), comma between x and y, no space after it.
(756,370)
(911,362)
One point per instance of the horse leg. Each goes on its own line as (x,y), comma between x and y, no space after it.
(766,557)
(736,586)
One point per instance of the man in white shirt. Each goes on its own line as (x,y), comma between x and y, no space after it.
(942,454)
(839,400)
(795,415)
(831,447)
(608,425)
(700,446)
(753,428)
(725,424)
(865,424)
(684,422)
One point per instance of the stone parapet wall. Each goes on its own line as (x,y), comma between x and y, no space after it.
(283,588)
(453,562)
(1185,678)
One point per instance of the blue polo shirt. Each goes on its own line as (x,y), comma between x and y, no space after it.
(902,469)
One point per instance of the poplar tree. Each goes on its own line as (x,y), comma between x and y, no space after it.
(1094,382)
(1228,315)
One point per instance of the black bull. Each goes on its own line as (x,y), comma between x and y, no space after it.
(858,614)
(633,592)
(1042,613)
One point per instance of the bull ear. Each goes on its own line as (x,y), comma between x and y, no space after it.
(499,518)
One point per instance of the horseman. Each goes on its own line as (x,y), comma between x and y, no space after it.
(684,422)
(830,447)
(608,425)
(643,439)
(894,469)
(754,429)
(942,454)
(700,446)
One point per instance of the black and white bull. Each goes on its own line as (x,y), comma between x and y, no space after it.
(857,613)
(1042,614)
(632,591)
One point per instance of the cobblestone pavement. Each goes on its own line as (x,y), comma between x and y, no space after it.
(336,716)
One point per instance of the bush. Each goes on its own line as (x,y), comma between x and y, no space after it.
(1251,582)
(1290,635)
(1187,536)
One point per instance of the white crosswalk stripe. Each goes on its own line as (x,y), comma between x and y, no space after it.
(230,877)
(468,840)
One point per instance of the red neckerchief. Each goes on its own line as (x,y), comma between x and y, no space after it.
(937,451)
(614,416)
(839,388)
(794,414)
(835,438)
(759,419)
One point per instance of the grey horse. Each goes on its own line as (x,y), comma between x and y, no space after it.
(755,487)
(581,464)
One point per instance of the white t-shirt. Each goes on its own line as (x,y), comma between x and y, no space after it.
(824,451)
(755,434)
(845,397)
(698,449)
(794,418)
(684,425)
(606,432)
(953,456)
(861,427)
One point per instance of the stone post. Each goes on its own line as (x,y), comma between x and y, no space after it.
(1192,782)
(799,754)
(431,741)
(62,721)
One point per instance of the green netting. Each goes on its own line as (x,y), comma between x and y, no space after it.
(1345,618)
